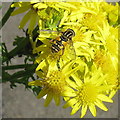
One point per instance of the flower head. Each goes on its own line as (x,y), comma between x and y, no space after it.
(31,16)
(87,93)
(84,70)
(53,82)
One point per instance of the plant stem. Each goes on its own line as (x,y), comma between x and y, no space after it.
(6,16)
(16,66)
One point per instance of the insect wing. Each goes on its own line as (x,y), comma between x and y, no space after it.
(69,50)
(48,33)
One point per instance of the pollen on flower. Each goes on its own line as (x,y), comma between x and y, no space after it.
(55,82)
(83,69)
(99,58)
(96,19)
(79,36)
(54,56)
(87,93)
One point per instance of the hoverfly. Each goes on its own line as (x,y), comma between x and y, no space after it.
(63,43)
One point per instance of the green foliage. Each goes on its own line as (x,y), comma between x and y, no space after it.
(21,47)
(6,16)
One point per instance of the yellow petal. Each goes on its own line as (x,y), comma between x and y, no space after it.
(32,23)
(77,80)
(96,75)
(72,71)
(52,67)
(39,48)
(41,57)
(34,1)
(92,109)
(69,103)
(64,18)
(40,22)
(103,97)
(39,6)
(70,23)
(54,6)
(40,74)
(42,93)
(44,34)
(105,87)
(44,40)
(112,93)
(41,65)
(57,99)
(83,111)
(85,10)
(67,66)
(20,10)
(67,88)
(76,107)
(25,19)
(67,5)
(62,7)
(68,94)
(48,100)
(100,105)
(66,98)
(35,83)
(100,80)
(24,4)
(16,4)
(71,83)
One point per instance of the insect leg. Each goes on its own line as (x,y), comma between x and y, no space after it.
(63,50)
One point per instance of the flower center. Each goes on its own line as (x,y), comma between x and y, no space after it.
(54,56)
(87,93)
(55,82)
(99,58)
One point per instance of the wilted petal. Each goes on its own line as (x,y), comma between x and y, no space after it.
(25,19)
(48,99)
(57,99)
(35,83)
(42,93)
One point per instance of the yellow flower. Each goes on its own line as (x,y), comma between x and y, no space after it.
(109,37)
(45,54)
(92,21)
(111,11)
(87,93)
(109,66)
(53,82)
(31,16)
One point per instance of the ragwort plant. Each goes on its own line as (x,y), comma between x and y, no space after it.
(85,72)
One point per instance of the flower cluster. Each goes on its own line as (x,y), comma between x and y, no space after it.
(85,72)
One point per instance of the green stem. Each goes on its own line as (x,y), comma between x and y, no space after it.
(22,74)
(27,72)
(6,16)
(16,66)
(31,37)
(31,41)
